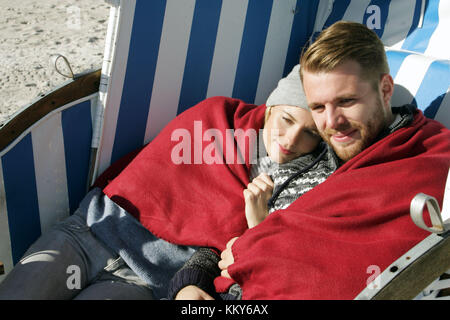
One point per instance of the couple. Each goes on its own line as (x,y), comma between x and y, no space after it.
(319,247)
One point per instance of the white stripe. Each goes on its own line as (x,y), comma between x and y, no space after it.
(439,44)
(398,23)
(276,47)
(170,66)
(50,171)
(324,9)
(227,47)
(356,11)
(115,87)
(5,241)
(409,80)
(443,113)
(105,74)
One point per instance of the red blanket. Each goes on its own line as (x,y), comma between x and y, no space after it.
(194,203)
(328,243)
(324,243)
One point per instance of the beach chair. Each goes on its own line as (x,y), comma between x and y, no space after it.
(164,56)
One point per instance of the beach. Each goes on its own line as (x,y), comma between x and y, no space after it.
(34,31)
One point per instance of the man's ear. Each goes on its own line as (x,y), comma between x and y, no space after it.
(386,88)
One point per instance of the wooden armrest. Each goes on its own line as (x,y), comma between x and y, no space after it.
(413,272)
(2,268)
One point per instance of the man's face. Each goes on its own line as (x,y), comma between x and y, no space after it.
(349,113)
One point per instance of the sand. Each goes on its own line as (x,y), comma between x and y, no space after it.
(32,31)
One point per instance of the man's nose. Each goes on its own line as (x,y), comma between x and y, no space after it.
(334,117)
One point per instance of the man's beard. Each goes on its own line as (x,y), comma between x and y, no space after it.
(368,133)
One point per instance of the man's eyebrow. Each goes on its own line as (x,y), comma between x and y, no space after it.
(347,96)
(337,99)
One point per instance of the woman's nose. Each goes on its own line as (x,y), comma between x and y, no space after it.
(292,136)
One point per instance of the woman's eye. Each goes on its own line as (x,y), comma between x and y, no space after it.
(286,119)
(312,133)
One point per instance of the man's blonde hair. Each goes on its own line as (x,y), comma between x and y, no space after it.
(345,41)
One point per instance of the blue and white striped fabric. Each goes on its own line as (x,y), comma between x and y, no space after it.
(172,54)
(44,176)
(421,26)
(423,81)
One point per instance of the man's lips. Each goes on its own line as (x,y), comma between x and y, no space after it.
(285,151)
(344,136)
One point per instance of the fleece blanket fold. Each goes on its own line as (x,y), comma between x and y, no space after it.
(325,245)
(186,186)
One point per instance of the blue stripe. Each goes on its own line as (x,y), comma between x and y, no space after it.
(138,83)
(418,38)
(395,60)
(415,21)
(200,53)
(302,27)
(433,87)
(77,133)
(339,9)
(21,197)
(252,49)
(384,8)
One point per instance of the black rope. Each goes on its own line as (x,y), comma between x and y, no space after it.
(277,192)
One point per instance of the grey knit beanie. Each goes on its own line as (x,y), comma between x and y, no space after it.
(289,91)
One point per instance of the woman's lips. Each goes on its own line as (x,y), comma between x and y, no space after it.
(285,151)
(344,137)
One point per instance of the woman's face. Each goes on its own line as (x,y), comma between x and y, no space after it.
(289,132)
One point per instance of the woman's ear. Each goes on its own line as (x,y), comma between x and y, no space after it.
(267,114)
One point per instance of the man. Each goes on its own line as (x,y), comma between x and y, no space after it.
(322,246)
(348,112)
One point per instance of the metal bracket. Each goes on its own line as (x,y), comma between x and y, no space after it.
(416,211)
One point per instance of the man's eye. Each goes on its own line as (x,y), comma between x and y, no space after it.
(346,101)
(317,108)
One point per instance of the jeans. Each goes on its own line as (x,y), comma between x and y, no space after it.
(69,262)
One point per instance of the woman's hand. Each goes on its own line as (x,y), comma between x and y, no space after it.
(256,196)
(227,259)
(192,293)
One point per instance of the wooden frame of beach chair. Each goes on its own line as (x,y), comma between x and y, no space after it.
(164,56)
